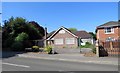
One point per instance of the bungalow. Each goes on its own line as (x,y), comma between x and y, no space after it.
(63,38)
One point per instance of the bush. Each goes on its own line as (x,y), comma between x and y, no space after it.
(17,46)
(21,37)
(94,50)
(48,49)
(87,43)
(35,48)
(7,43)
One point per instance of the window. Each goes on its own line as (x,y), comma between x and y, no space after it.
(70,41)
(109,30)
(110,39)
(61,31)
(59,41)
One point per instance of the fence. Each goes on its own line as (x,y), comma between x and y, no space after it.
(109,48)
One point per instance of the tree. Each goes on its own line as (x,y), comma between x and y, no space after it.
(20,30)
(40,28)
(72,29)
(93,35)
(21,37)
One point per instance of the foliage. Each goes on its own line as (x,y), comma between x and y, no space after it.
(17,46)
(94,50)
(20,30)
(87,45)
(93,35)
(7,43)
(48,49)
(0,27)
(35,48)
(33,32)
(72,29)
(21,37)
(39,28)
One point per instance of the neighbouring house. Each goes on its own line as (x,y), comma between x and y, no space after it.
(109,31)
(64,38)
(85,37)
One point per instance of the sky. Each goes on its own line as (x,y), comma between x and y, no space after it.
(81,15)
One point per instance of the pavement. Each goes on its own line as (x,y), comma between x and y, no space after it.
(72,58)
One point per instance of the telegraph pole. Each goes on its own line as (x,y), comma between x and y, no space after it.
(80,44)
(45,42)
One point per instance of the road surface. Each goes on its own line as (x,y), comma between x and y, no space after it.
(30,64)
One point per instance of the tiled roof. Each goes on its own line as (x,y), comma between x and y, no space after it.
(83,34)
(109,24)
(49,34)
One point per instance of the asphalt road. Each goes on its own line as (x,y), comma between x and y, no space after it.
(29,64)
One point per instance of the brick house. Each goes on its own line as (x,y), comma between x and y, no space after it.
(108,31)
(63,38)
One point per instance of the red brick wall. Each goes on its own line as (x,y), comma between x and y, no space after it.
(64,45)
(119,32)
(102,36)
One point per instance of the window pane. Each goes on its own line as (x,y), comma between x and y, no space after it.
(58,41)
(109,30)
(70,40)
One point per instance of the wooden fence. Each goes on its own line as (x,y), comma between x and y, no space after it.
(110,48)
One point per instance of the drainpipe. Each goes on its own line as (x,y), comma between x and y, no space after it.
(45,42)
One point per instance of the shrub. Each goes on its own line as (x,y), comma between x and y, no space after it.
(35,48)
(21,37)
(48,49)
(17,46)
(94,50)
(87,45)
(7,43)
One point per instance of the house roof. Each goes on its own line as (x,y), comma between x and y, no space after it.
(109,24)
(83,34)
(49,34)
(54,32)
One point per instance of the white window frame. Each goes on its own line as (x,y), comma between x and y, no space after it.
(58,41)
(70,40)
(111,29)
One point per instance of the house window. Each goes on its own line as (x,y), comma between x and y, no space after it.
(70,41)
(62,31)
(58,41)
(109,30)
(110,39)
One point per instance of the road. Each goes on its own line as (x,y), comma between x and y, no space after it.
(30,64)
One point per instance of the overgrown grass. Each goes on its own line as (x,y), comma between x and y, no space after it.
(89,45)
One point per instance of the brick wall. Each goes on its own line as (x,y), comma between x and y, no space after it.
(64,36)
(102,36)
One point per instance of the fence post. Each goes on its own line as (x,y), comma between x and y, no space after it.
(111,47)
(97,48)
